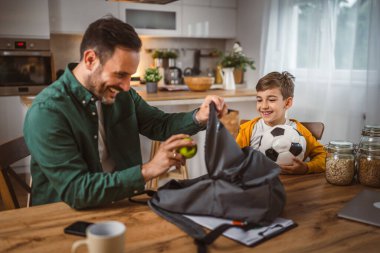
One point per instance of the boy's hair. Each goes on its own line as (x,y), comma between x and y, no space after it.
(105,34)
(284,81)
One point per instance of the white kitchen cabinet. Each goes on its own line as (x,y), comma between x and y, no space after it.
(152,19)
(24,19)
(193,18)
(195,21)
(196,2)
(208,22)
(212,3)
(186,18)
(223,3)
(12,114)
(73,16)
(222,23)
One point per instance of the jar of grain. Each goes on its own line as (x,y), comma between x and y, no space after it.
(369,165)
(340,162)
(370,136)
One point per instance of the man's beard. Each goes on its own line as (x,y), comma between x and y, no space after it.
(99,88)
(95,84)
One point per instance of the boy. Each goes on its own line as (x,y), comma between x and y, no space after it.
(275,93)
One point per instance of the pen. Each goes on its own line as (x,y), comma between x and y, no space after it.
(238,223)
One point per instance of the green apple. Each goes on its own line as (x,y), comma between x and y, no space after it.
(188,152)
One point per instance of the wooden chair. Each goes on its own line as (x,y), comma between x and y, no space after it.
(172,174)
(231,122)
(316,128)
(10,153)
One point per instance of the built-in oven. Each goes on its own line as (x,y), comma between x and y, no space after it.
(26,66)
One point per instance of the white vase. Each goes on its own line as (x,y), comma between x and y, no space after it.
(228,78)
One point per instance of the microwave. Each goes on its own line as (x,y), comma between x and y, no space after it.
(26,66)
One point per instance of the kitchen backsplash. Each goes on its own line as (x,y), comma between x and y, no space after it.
(65,48)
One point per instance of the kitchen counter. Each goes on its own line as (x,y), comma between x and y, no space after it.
(182,97)
(192,97)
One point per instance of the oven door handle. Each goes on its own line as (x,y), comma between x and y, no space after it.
(25,53)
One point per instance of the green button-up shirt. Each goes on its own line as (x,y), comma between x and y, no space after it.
(61,132)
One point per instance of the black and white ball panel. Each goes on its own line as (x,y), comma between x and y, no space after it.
(281,143)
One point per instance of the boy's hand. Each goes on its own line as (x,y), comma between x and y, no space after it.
(298,167)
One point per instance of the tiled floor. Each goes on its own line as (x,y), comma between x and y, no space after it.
(21,194)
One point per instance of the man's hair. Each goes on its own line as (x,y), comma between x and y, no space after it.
(284,81)
(105,34)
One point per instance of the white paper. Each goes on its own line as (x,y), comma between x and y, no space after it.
(246,237)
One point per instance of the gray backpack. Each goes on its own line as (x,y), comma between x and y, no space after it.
(241,184)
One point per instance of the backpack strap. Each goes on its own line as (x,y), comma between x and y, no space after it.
(219,230)
(150,193)
(196,231)
(190,227)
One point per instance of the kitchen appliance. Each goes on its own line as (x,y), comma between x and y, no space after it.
(26,66)
(173,74)
(188,71)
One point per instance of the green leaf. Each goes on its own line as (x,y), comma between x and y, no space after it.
(152,75)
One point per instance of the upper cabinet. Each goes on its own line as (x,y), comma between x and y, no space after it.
(213,3)
(185,18)
(152,19)
(208,21)
(73,16)
(24,19)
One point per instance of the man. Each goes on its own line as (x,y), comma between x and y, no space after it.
(83,130)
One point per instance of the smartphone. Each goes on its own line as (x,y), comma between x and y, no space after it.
(77,228)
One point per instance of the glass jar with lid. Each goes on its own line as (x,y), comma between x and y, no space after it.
(369,164)
(370,135)
(340,162)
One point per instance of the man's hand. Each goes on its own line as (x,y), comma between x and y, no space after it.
(203,113)
(298,167)
(166,156)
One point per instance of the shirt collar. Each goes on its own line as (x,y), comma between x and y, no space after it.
(83,95)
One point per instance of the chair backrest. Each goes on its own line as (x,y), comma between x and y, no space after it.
(231,122)
(179,174)
(10,153)
(316,128)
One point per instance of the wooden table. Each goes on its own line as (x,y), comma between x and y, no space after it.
(311,202)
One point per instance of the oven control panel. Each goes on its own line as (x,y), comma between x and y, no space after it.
(24,44)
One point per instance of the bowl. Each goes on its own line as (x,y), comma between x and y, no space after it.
(199,83)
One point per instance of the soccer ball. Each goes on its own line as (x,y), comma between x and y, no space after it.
(281,143)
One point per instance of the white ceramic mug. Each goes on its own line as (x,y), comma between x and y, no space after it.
(103,237)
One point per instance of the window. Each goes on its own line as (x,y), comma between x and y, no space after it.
(341,24)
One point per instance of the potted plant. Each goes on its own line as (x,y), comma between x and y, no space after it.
(152,76)
(237,60)
(158,57)
(158,54)
(170,55)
